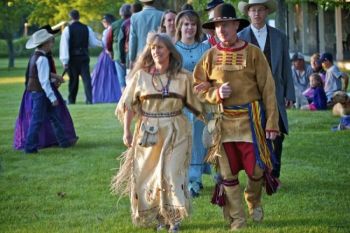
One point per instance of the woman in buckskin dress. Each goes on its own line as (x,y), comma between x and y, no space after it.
(155,175)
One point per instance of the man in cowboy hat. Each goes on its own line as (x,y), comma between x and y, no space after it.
(141,24)
(210,34)
(235,75)
(44,100)
(274,44)
(74,55)
(211,5)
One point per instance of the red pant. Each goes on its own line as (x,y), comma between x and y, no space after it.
(241,156)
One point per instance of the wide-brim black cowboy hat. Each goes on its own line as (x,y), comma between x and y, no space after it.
(49,29)
(225,12)
(212,4)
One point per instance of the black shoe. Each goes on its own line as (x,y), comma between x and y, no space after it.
(68,144)
(31,151)
(193,193)
(88,102)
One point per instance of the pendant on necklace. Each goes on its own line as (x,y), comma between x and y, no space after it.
(165,92)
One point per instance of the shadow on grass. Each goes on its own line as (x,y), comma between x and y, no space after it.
(306,223)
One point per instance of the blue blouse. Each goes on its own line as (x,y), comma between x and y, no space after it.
(191,54)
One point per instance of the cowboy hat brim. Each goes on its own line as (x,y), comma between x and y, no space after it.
(211,24)
(34,41)
(244,6)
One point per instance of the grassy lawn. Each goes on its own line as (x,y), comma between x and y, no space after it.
(315,175)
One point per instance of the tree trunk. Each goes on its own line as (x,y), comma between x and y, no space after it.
(11,53)
(281,15)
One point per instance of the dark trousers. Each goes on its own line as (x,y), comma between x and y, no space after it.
(79,65)
(42,108)
(278,146)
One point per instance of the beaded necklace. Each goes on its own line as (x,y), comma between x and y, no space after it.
(165,88)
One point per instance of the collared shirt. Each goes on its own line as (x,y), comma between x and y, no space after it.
(260,35)
(64,44)
(43,67)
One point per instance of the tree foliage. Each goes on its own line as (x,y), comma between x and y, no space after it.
(13,14)
(326,4)
(56,11)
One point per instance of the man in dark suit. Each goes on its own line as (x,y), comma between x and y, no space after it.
(274,44)
(74,55)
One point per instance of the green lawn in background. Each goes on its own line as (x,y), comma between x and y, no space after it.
(315,175)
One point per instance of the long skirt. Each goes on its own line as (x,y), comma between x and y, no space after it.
(197,167)
(47,136)
(105,84)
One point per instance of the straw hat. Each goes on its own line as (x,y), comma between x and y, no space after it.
(225,12)
(269,4)
(38,38)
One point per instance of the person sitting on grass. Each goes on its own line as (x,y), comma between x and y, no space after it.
(341,108)
(335,79)
(341,102)
(44,100)
(315,94)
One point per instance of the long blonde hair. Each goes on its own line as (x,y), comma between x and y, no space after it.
(145,60)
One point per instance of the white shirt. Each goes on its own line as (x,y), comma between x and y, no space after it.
(64,44)
(104,36)
(260,35)
(43,67)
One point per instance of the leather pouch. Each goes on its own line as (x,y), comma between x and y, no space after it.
(148,135)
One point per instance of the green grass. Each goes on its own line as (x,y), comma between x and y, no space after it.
(315,175)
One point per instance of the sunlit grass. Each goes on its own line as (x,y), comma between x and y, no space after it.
(67,190)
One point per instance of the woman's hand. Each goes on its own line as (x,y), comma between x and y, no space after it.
(127,138)
(203,86)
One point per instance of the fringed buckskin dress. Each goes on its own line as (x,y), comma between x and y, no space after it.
(156,176)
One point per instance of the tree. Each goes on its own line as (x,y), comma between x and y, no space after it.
(326,4)
(281,15)
(13,14)
(56,11)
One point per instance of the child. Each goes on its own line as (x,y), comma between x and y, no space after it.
(342,109)
(315,94)
(46,136)
(44,100)
(335,79)
(341,104)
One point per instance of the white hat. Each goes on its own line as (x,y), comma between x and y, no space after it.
(38,38)
(244,6)
(146,0)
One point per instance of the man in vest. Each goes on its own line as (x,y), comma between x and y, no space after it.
(274,44)
(74,55)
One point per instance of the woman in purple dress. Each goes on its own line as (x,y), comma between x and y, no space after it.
(105,84)
(46,136)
